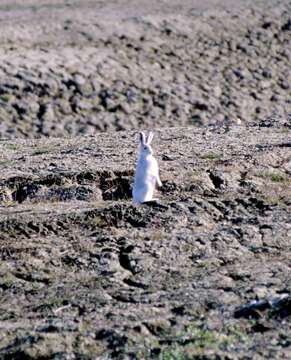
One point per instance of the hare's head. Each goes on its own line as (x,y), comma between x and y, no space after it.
(145,147)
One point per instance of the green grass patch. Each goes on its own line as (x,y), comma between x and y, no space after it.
(41,151)
(13,146)
(273,176)
(7,281)
(277,178)
(7,97)
(53,303)
(211,156)
(195,341)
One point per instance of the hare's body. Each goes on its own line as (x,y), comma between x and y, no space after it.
(147,173)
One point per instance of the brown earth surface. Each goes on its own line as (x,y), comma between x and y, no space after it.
(86,274)
(203,273)
(80,67)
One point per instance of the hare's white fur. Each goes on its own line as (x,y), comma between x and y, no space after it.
(147,171)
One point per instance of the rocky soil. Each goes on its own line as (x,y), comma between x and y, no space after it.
(203,273)
(85,274)
(80,67)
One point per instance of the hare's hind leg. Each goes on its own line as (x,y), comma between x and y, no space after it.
(151,202)
(159,182)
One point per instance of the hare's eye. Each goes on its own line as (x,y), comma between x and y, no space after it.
(145,147)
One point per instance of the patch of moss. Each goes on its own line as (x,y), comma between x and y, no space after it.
(53,303)
(7,281)
(42,150)
(176,354)
(7,97)
(211,156)
(203,338)
(98,222)
(277,178)
(13,146)
(195,341)
(273,176)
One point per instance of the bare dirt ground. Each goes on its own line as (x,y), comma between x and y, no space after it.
(205,272)
(84,273)
(80,67)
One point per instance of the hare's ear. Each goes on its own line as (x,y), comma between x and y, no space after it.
(150,137)
(142,138)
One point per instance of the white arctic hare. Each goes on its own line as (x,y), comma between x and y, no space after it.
(147,171)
